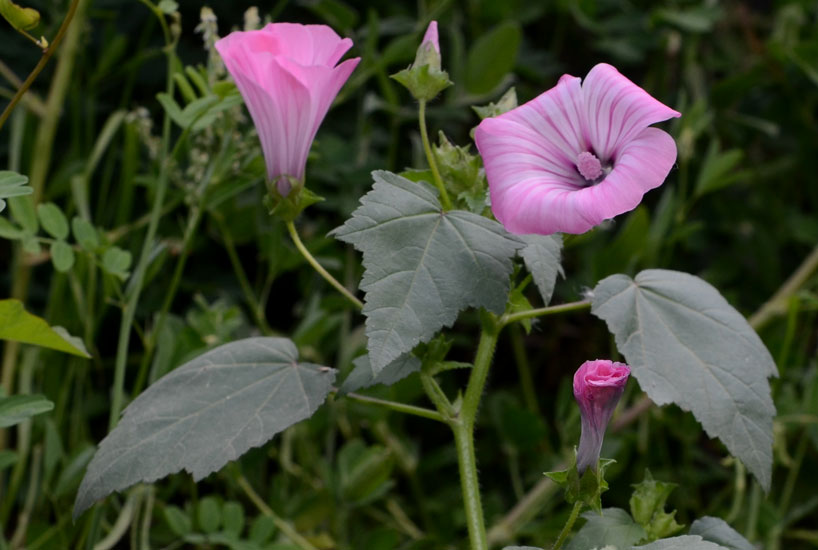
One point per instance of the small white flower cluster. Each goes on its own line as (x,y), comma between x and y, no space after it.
(209,27)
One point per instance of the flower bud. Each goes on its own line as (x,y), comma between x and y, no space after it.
(425,78)
(598,385)
(429,50)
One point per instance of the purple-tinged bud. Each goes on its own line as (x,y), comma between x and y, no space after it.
(425,78)
(429,50)
(431,36)
(598,385)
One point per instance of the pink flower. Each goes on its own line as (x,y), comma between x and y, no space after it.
(431,36)
(576,155)
(598,385)
(288,77)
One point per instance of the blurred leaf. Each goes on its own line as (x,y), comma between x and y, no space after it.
(233,518)
(208,515)
(506,103)
(7,459)
(686,345)
(116,262)
(206,413)
(262,529)
(22,210)
(363,470)
(17,408)
(72,473)
(20,326)
(697,19)
(85,234)
(53,220)
(719,531)
(336,13)
(10,231)
(492,56)
(718,170)
(19,17)
(423,265)
(62,256)
(517,426)
(12,184)
(178,520)
(613,527)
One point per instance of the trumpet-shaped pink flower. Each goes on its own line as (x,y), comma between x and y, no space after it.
(288,77)
(576,155)
(598,385)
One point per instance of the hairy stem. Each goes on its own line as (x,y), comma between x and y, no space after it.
(398,407)
(463,430)
(566,530)
(509,318)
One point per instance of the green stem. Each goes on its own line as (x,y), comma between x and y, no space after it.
(129,310)
(792,476)
(437,396)
(539,312)
(170,294)
(524,370)
(399,407)
(470,485)
(566,530)
(319,268)
(463,430)
(279,522)
(482,363)
(752,518)
(430,157)
(253,303)
(777,305)
(47,53)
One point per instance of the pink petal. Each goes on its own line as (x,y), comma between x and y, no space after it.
(519,165)
(556,115)
(643,164)
(616,110)
(431,36)
(287,75)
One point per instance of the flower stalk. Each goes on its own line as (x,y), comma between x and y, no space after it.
(319,268)
(430,156)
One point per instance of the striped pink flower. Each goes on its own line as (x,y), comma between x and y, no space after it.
(598,385)
(578,154)
(288,76)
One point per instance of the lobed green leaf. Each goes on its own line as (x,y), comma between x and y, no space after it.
(205,413)
(686,345)
(423,265)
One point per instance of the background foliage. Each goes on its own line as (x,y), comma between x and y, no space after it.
(741,211)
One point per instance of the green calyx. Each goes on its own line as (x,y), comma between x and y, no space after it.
(289,206)
(424,78)
(586,488)
(648,508)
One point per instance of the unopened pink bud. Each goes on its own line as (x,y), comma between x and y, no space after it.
(598,385)
(431,36)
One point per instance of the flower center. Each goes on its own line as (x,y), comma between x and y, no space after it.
(589,166)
